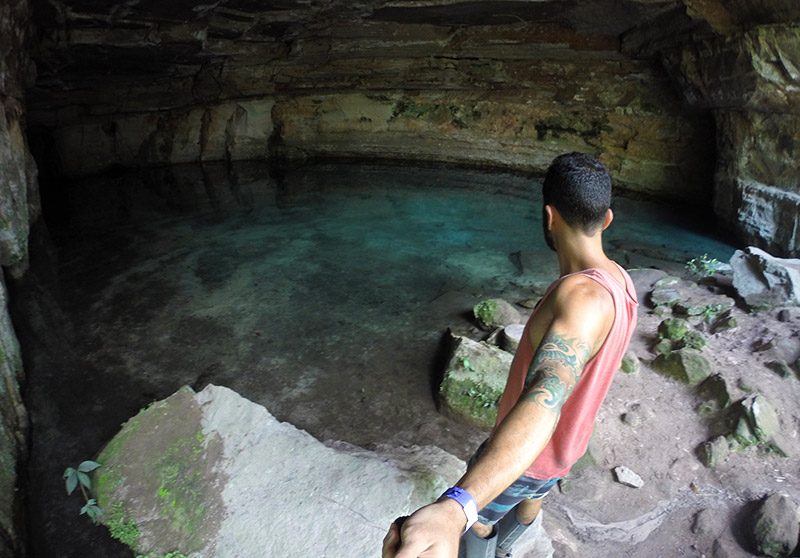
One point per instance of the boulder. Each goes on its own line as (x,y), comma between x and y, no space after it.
(687,365)
(775,526)
(474,380)
(764,281)
(206,474)
(495,312)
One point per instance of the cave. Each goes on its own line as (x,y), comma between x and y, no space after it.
(690,104)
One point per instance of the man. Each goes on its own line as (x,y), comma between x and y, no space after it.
(572,345)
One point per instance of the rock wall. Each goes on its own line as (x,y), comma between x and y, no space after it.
(18,208)
(362,82)
(743,64)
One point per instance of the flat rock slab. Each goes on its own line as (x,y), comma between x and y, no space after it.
(213,474)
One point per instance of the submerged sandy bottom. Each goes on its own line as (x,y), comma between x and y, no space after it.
(323,299)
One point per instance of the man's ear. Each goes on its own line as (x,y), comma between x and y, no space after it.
(548,215)
(609,218)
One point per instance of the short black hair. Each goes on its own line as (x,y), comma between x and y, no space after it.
(579,187)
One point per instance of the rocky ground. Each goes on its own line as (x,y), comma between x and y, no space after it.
(653,424)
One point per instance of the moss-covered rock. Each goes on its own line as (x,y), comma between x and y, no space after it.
(161,476)
(673,328)
(494,313)
(473,381)
(775,527)
(687,365)
(630,363)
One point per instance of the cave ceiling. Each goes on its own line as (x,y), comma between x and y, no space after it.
(85,38)
(84,42)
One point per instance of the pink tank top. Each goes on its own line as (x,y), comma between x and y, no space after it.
(578,414)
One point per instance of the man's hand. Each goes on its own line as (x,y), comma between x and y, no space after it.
(430,532)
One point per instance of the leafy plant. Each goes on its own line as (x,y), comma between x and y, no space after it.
(78,477)
(702,266)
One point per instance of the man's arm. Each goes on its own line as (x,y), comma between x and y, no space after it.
(582,313)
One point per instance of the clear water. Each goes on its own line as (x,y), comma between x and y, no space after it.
(326,298)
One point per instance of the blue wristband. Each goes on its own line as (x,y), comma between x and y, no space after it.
(467,502)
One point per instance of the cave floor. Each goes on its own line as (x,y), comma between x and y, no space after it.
(324,298)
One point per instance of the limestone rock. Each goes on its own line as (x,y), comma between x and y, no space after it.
(512,335)
(495,312)
(706,522)
(775,526)
(687,365)
(716,393)
(644,279)
(688,298)
(666,291)
(627,477)
(782,368)
(474,380)
(630,363)
(764,281)
(693,339)
(673,328)
(714,452)
(663,347)
(755,423)
(195,473)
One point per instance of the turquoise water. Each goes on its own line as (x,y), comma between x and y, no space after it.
(324,298)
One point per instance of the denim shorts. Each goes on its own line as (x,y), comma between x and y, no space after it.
(524,488)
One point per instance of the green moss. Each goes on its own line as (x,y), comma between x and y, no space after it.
(407,108)
(125,531)
(181,485)
(485,311)
(472,400)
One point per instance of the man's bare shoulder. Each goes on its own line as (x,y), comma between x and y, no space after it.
(579,290)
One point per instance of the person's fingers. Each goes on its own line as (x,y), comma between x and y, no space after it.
(390,542)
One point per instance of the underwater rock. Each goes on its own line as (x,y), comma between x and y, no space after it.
(203,473)
(473,381)
(764,281)
(687,365)
(775,526)
(495,312)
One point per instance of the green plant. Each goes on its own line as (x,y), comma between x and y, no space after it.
(702,266)
(75,477)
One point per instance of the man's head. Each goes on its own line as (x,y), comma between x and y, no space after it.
(579,188)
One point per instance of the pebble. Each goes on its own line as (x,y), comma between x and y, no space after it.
(627,477)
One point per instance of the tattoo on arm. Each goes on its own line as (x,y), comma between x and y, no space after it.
(555,370)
